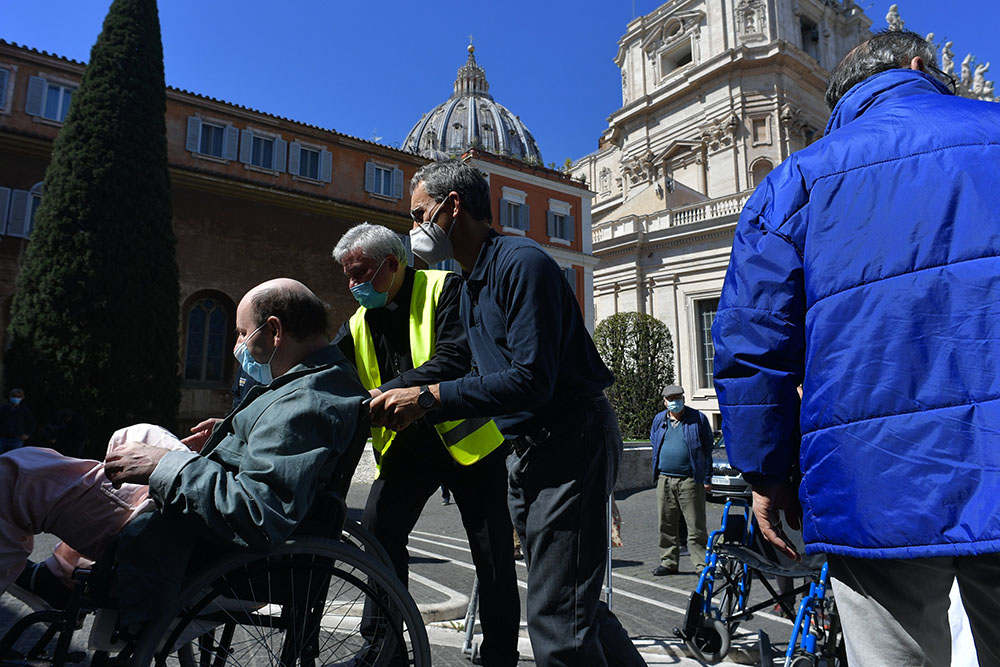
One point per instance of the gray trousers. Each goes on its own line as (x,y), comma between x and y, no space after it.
(558,501)
(676,496)
(895,612)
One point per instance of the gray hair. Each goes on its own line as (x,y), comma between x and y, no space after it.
(889,49)
(374,241)
(440,178)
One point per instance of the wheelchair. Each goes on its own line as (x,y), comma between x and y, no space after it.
(300,603)
(737,557)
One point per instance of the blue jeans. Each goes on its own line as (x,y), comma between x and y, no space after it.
(558,499)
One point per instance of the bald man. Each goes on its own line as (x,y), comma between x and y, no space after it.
(245,481)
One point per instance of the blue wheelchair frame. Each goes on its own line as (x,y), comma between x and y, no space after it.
(721,599)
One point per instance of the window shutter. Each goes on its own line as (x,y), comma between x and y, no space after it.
(280,145)
(246,146)
(36,96)
(571,228)
(4,78)
(369,176)
(17,226)
(525,216)
(550,224)
(193,142)
(397,183)
(503,213)
(231,140)
(294,151)
(326,166)
(4,199)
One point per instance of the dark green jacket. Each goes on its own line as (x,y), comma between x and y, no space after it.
(250,487)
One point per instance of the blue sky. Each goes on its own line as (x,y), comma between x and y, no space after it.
(371,68)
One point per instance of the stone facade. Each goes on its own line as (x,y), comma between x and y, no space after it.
(715,93)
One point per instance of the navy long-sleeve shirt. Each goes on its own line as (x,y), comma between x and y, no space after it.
(532,355)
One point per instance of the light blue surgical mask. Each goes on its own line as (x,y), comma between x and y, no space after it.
(15,400)
(367,295)
(253,368)
(675,405)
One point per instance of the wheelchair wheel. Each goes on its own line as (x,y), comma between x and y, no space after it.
(300,604)
(357,535)
(710,644)
(729,595)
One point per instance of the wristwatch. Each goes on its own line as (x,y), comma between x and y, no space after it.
(426,399)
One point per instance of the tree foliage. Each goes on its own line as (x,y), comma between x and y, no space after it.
(639,351)
(94,318)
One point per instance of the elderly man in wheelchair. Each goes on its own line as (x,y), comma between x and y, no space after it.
(200,543)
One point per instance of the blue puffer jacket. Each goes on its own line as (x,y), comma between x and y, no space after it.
(867,268)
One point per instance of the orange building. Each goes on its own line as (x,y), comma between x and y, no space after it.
(256,196)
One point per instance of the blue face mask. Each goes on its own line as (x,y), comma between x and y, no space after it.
(675,405)
(15,400)
(367,295)
(253,368)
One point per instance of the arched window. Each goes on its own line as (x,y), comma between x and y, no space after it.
(759,170)
(206,342)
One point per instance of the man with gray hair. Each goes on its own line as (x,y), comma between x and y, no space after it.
(539,374)
(407,333)
(867,269)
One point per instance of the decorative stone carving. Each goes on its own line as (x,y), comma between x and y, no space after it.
(947,59)
(669,32)
(751,19)
(604,181)
(720,133)
(639,168)
(979,79)
(892,18)
(792,124)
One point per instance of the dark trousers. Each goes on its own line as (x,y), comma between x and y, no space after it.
(558,500)
(410,474)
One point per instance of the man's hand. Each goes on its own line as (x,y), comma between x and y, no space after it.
(768,500)
(708,489)
(132,462)
(201,433)
(397,408)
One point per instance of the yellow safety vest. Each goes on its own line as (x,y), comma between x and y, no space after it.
(467,440)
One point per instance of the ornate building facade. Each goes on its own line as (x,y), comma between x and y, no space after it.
(715,93)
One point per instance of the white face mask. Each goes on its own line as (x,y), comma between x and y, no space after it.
(430,243)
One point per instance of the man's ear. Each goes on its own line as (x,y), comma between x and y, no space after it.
(274,324)
(456,201)
(393,263)
(917,63)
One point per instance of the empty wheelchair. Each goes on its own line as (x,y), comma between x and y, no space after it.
(738,559)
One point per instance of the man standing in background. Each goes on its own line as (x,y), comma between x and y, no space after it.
(682,468)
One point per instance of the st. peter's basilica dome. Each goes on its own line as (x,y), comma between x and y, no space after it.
(470,118)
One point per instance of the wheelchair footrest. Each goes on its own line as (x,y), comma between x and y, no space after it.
(765,650)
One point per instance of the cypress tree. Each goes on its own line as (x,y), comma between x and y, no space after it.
(94,321)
